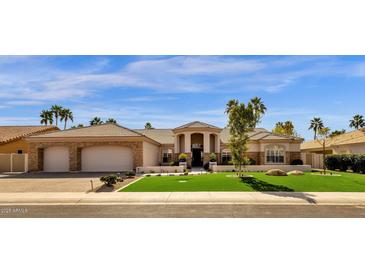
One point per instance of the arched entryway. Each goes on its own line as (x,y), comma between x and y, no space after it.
(197,149)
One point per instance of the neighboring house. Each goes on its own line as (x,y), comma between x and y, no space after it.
(347,143)
(110,147)
(12,137)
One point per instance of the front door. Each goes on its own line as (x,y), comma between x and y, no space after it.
(197,159)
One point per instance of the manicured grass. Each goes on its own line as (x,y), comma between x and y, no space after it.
(347,182)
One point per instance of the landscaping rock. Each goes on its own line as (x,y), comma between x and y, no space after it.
(276,172)
(296,173)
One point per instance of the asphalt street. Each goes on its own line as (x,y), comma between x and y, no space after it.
(182,211)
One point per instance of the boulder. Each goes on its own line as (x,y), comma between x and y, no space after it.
(276,172)
(296,173)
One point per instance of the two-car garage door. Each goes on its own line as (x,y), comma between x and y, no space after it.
(93,159)
(106,158)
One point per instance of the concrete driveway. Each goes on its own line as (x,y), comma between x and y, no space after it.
(49,182)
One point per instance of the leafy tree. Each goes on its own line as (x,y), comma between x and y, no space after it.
(46,117)
(323,134)
(148,125)
(241,120)
(65,115)
(111,121)
(96,121)
(357,122)
(316,124)
(285,128)
(259,109)
(56,110)
(337,133)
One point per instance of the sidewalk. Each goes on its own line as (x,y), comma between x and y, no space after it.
(168,198)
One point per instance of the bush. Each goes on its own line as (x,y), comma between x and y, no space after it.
(110,180)
(344,162)
(130,174)
(297,162)
(213,157)
(252,162)
(183,157)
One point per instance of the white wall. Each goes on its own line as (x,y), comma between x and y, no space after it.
(151,154)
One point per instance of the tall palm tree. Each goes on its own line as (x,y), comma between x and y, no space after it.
(357,122)
(230,105)
(259,109)
(56,110)
(148,125)
(65,115)
(316,124)
(111,120)
(46,117)
(96,121)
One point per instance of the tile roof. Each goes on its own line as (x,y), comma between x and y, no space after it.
(196,124)
(353,137)
(163,136)
(12,133)
(258,134)
(103,130)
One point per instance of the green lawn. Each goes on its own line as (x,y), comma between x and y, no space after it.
(347,182)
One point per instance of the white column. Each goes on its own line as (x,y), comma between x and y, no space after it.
(206,142)
(187,142)
(176,144)
(217,144)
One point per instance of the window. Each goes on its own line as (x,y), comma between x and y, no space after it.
(275,155)
(20,151)
(167,155)
(226,157)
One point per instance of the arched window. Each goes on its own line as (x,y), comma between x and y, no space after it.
(275,155)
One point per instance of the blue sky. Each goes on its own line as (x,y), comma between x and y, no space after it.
(171,90)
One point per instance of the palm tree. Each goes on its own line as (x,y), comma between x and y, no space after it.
(65,115)
(230,105)
(259,109)
(357,122)
(316,124)
(56,110)
(111,120)
(148,125)
(46,117)
(96,121)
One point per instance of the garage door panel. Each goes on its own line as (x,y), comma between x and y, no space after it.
(56,159)
(106,158)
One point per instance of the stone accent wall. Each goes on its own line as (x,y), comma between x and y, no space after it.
(293,156)
(255,156)
(36,152)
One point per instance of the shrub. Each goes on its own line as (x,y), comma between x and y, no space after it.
(252,162)
(109,180)
(130,174)
(230,162)
(213,157)
(183,157)
(345,162)
(172,163)
(297,162)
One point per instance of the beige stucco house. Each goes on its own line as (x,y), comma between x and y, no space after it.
(110,147)
(347,143)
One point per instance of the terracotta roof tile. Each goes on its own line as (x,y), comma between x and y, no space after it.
(12,133)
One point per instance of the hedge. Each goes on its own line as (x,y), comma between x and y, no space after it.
(355,162)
